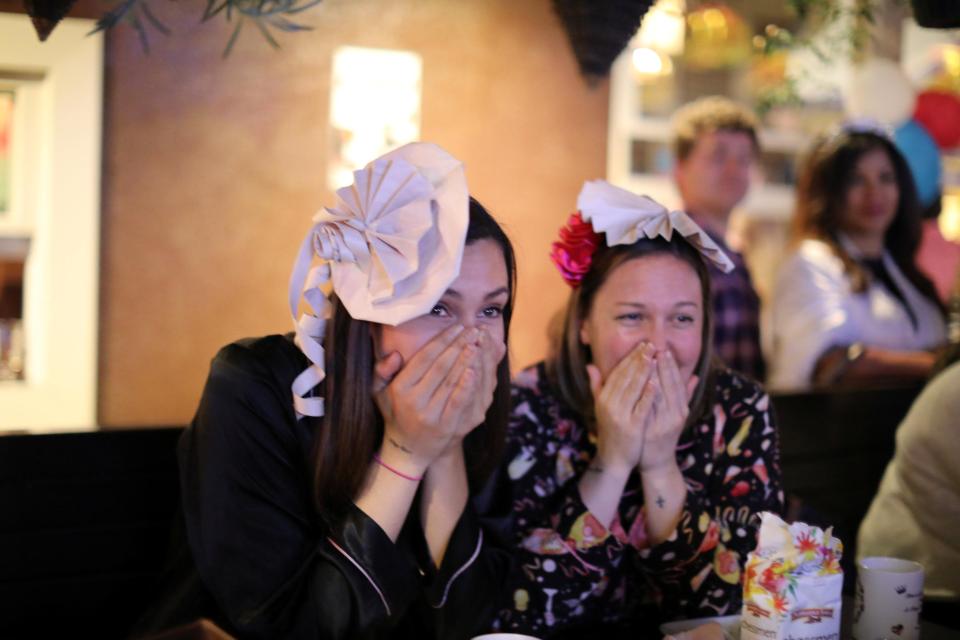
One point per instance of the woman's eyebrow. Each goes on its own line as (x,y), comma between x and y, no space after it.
(453,293)
(640,305)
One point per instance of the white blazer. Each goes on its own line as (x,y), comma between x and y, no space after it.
(814,309)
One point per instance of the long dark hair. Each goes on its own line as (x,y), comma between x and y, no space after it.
(568,358)
(352,427)
(826,176)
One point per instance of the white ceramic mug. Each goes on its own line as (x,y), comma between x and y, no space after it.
(888,600)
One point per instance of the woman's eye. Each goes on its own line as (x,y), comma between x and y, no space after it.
(492,312)
(684,319)
(629,317)
(439,310)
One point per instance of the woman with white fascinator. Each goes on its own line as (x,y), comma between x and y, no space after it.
(637,464)
(328,475)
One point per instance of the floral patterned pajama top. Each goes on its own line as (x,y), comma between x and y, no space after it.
(572,570)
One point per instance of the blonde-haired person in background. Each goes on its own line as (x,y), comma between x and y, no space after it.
(716,147)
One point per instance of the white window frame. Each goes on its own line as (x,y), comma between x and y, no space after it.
(626,125)
(55,205)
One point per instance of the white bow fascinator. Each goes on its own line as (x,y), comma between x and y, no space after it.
(624,217)
(391,246)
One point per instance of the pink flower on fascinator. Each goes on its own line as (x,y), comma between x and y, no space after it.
(573,252)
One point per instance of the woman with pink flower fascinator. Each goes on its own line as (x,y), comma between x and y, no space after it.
(637,462)
(329,476)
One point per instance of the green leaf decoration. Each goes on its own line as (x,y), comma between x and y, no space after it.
(265,14)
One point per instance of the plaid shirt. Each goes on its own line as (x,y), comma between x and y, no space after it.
(736,316)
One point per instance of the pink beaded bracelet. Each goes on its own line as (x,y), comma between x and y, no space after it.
(396,471)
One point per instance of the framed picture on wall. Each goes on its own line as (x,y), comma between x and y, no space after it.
(51,107)
(6,131)
(23,93)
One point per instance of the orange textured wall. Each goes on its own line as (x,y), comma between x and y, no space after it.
(213,168)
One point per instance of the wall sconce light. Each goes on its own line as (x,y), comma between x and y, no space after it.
(374,107)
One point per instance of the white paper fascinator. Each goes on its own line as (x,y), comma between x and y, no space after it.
(391,246)
(625,217)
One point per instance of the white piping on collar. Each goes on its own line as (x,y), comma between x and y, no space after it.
(446,589)
(365,574)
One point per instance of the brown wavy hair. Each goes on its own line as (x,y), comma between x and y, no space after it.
(710,113)
(826,174)
(352,428)
(568,357)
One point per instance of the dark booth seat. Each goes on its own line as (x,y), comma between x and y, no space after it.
(834,448)
(85,519)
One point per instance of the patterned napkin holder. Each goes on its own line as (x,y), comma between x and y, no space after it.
(793,583)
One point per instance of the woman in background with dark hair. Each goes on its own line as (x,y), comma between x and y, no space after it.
(327,478)
(850,305)
(636,462)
